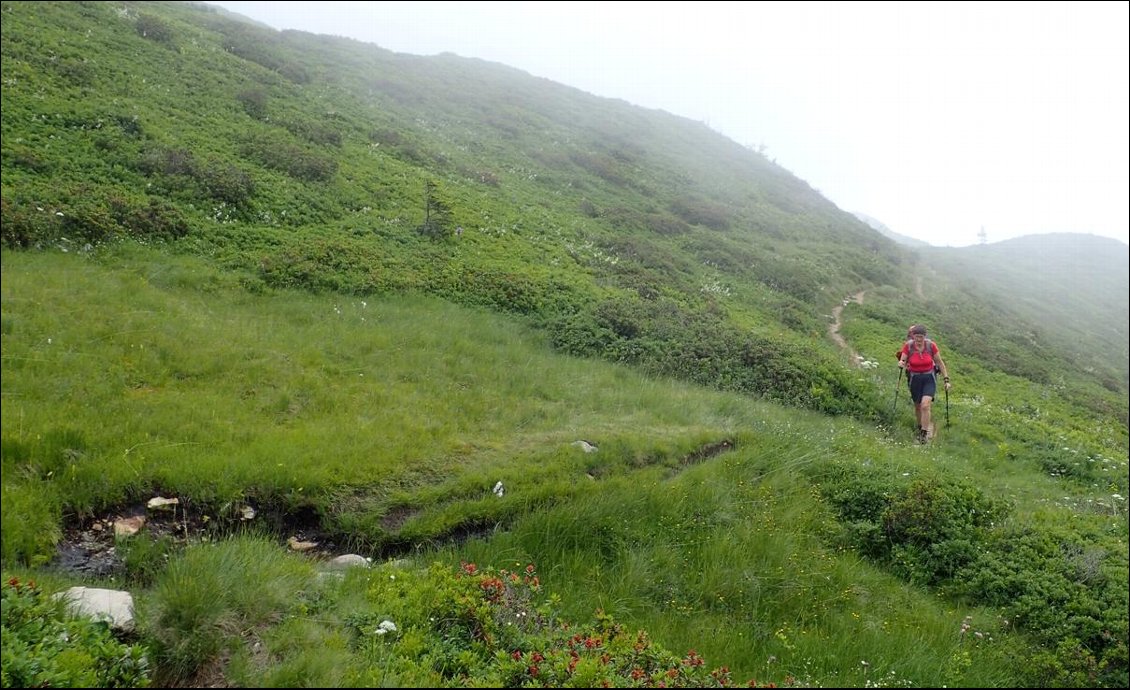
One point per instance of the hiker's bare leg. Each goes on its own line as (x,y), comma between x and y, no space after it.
(924,412)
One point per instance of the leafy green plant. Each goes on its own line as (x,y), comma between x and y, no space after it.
(496,627)
(46,647)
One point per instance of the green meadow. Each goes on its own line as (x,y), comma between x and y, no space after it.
(788,546)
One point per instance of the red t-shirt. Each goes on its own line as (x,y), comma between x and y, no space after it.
(920,362)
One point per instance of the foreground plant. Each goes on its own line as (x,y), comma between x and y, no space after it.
(45,647)
(495,627)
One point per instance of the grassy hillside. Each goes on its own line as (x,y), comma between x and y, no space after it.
(354,290)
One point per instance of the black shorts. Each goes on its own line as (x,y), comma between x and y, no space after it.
(922,385)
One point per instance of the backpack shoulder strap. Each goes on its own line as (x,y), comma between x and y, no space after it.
(928,346)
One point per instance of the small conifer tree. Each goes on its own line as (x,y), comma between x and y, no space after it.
(437,214)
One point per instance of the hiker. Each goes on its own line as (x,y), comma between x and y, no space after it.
(921,359)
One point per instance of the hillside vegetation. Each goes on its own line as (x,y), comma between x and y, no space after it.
(383,299)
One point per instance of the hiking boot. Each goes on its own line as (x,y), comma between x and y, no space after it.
(921,436)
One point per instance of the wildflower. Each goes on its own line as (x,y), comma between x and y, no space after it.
(385,627)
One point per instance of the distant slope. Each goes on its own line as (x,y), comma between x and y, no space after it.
(890,234)
(1073,288)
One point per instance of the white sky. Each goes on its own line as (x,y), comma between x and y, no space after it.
(936,119)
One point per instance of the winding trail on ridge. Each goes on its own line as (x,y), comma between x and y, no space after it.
(837,321)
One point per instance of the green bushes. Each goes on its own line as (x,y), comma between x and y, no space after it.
(254,102)
(177,173)
(667,339)
(314,132)
(280,154)
(1069,595)
(495,628)
(24,224)
(934,529)
(263,46)
(79,219)
(701,212)
(925,530)
(44,647)
(1066,593)
(155,29)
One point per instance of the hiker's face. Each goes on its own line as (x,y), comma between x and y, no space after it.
(918,337)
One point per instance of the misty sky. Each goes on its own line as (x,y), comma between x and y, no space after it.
(937,119)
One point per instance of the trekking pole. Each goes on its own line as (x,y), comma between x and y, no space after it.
(894,402)
(947,405)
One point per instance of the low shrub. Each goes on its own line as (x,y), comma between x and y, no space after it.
(495,628)
(45,647)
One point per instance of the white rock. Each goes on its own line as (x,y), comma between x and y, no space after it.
(101,604)
(349,560)
(160,503)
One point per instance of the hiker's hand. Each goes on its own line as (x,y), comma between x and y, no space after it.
(948,385)
(902,364)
